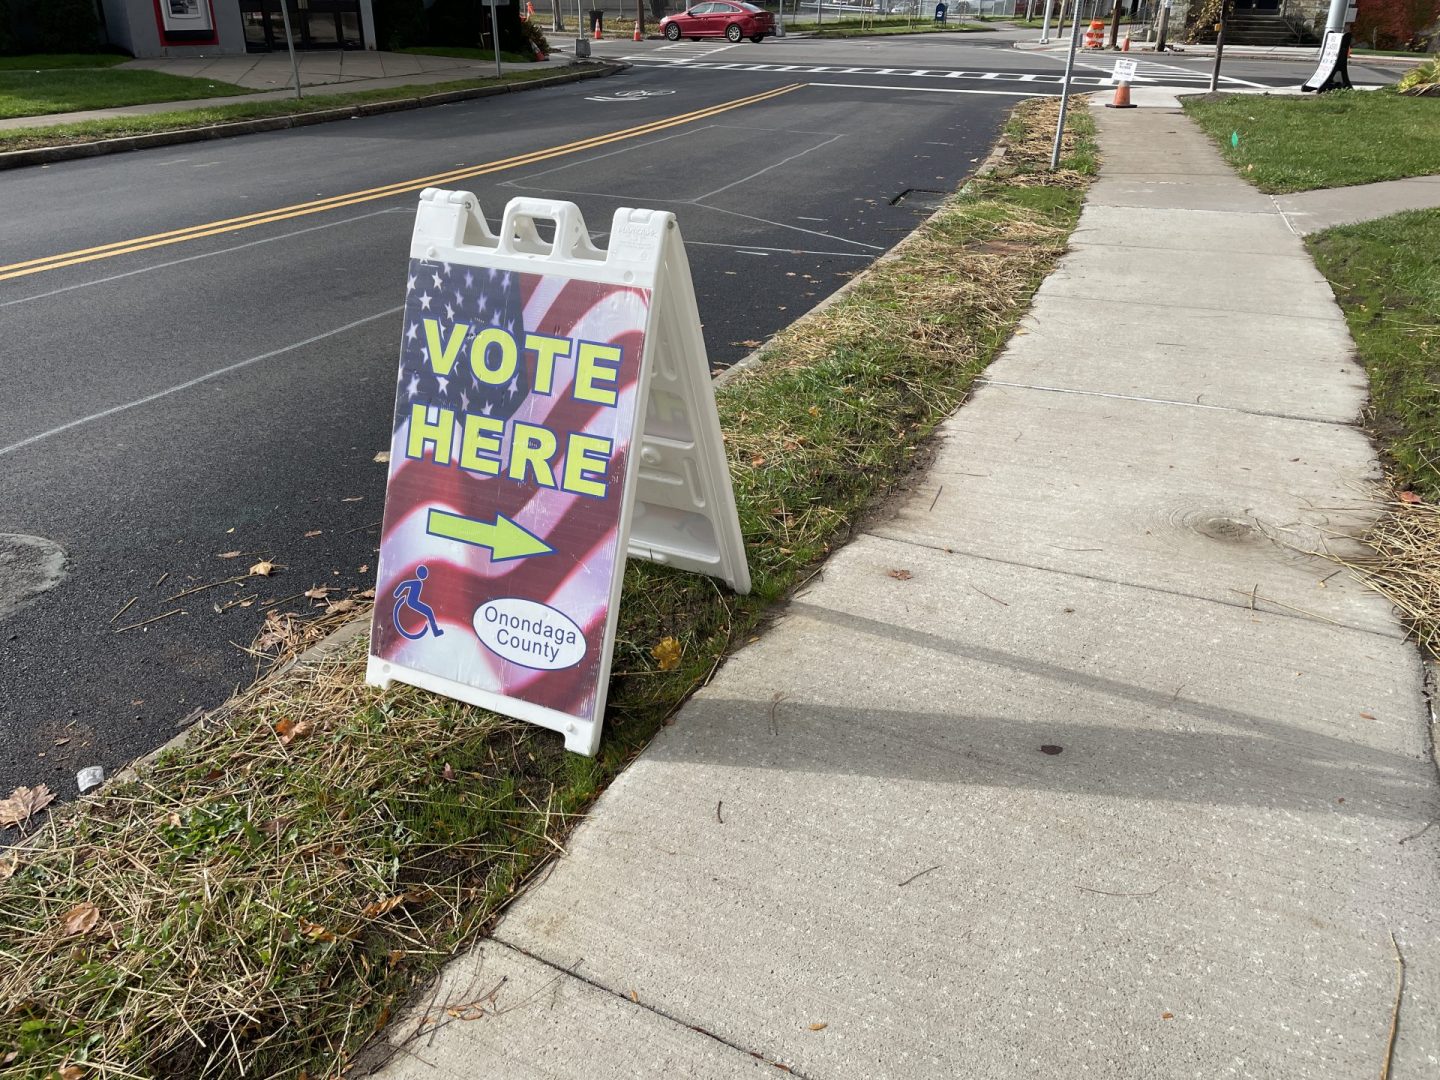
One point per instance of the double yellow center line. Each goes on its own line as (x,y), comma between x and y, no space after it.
(319,206)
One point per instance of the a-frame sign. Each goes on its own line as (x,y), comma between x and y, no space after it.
(553,412)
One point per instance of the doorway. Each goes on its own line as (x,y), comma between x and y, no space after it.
(315,24)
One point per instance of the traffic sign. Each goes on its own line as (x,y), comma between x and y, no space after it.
(1124,71)
(554,412)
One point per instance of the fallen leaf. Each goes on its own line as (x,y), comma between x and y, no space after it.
(264,568)
(814,410)
(80,919)
(23,804)
(395,956)
(819,1027)
(748,343)
(383,907)
(314,533)
(8,867)
(318,593)
(314,931)
(383,457)
(901,575)
(340,606)
(368,594)
(69,1072)
(667,654)
(1409,497)
(448,772)
(228,555)
(275,826)
(758,460)
(1366,716)
(174,819)
(354,498)
(1051,749)
(363,569)
(1167,1016)
(635,997)
(288,730)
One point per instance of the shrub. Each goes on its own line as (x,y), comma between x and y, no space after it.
(1423,80)
(399,23)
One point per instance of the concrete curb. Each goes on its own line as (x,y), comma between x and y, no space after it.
(46,155)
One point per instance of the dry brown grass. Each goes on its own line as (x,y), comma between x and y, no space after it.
(1405,566)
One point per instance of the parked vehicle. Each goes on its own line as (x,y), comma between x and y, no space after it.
(733,20)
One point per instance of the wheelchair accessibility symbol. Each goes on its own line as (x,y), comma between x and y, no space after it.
(408,593)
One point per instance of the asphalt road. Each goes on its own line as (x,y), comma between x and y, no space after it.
(208,385)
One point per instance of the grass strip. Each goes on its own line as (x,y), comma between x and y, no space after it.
(260,898)
(61,90)
(180,120)
(848,28)
(1322,140)
(1386,277)
(47,61)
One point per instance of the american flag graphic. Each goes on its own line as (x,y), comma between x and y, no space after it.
(583,531)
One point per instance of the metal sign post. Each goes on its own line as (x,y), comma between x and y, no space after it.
(495,35)
(1045,24)
(290,44)
(1065,88)
(1219,45)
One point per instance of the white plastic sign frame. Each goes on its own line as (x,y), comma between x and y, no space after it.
(459,540)
(1125,70)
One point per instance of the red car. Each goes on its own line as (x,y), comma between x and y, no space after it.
(733,19)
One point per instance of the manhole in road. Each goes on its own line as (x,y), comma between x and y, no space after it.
(919,199)
(29,566)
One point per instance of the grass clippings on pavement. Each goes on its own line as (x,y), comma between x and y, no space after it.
(150,123)
(261,898)
(1335,139)
(73,89)
(1386,277)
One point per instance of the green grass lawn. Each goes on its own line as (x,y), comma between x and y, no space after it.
(1328,140)
(149,123)
(45,61)
(461,53)
(1386,275)
(70,89)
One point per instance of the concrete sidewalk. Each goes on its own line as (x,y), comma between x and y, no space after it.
(331,71)
(1117,781)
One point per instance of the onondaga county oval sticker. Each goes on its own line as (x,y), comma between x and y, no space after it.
(529,633)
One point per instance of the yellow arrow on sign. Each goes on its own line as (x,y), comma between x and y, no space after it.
(504,538)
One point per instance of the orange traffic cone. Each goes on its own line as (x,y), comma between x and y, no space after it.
(597,31)
(529,10)
(637,33)
(1122,97)
(1125,45)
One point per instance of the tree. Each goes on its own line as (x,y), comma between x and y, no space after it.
(1396,24)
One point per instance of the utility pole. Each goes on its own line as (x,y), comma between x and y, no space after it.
(1065,89)
(1335,21)
(1219,45)
(1115,25)
(1045,24)
(640,17)
(1164,26)
(557,22)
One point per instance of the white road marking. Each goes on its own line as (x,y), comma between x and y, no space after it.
(204,255)
(762,172)
(103,413)
(779,250)
(922,89)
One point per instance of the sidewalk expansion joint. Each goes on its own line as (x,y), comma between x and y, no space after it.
(983,381)
(1337,320)
(1241,605)
(573,973)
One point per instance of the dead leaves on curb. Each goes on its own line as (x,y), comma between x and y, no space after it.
(22,804)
